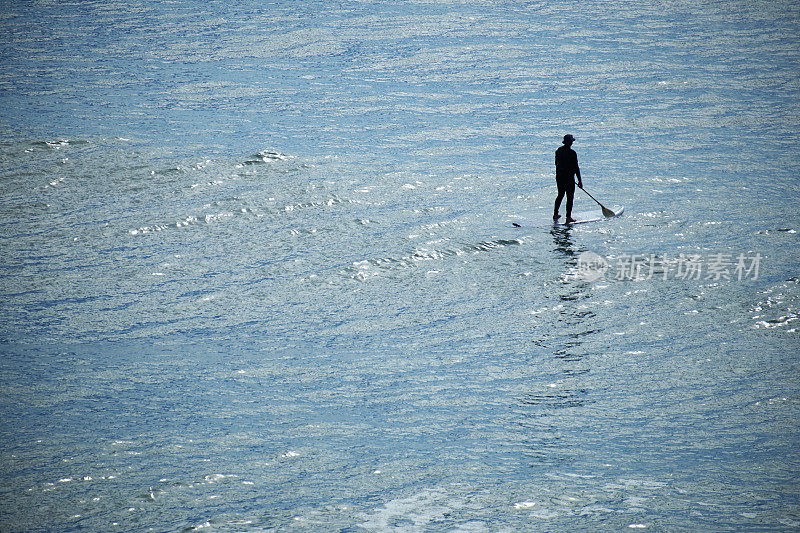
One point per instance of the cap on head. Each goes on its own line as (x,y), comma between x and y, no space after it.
(569,139)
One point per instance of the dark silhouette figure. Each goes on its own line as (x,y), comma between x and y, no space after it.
(566,171)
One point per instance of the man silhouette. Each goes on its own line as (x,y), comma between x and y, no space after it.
(566,170)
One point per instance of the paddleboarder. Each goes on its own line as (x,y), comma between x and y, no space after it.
(566,171)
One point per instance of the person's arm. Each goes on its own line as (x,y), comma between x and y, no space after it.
(578,172)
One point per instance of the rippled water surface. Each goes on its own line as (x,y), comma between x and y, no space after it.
(259,271)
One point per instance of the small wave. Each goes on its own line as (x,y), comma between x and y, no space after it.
(328,202)
(485,246)
(240,210)
(209,173)
(208,218)
(169,171)
(778,230)
(54,145)
(361,270)
(558,400)
(266,156)
(780,309)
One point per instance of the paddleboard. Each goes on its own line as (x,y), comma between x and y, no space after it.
(580,218)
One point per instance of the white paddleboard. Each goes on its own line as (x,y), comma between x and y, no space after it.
(580,218)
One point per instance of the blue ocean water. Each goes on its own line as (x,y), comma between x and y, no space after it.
(259,272)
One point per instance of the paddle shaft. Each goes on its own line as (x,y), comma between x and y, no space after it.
(606,211)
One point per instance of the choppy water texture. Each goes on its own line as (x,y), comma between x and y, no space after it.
(259,272)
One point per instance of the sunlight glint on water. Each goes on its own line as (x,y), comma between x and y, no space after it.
(259,272)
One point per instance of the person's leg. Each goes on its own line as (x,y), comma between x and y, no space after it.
(570,192)
(560,196)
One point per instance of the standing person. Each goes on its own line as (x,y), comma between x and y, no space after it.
(566,171)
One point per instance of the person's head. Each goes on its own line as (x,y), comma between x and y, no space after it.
(568,139)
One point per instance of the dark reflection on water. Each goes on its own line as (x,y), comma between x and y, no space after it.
(573,322)
(549,409)
(558,400)
(562,239)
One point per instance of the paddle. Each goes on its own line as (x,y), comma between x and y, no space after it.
(606,211)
